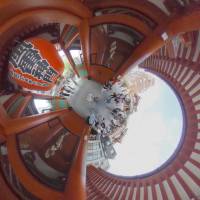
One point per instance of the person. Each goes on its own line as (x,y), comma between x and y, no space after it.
(70,87)
(96,99)
(94,132)
(107,130)
(127,99)
(92,120)
(108,85)
(74,81)
(115,123)
(103,125)
(90,97)
(64,94)
(113,95)
(68,91)
(118,99)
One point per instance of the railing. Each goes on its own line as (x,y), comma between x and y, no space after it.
(49,156)
(100,59)
(45,155)
(10,176)
(23,104)
(126,11)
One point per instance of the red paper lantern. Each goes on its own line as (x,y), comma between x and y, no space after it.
(35,64)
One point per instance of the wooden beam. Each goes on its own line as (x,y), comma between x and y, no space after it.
(76,182)
(9,28)
(11,100)
(186,22)
(71,40)
(10,9)
(25,177)
(144,7)
(3,120)
(150,44)
(76,186)
(84,31)
(64,32)
(178,24)
(71,61)
(22,107)
(16,126)
(40,96)
(130,21)
(101,74)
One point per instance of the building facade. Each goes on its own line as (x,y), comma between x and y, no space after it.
(138,81)
(96,154)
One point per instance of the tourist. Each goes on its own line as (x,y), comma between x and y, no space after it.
(92,120)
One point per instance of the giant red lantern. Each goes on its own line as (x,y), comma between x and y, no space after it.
(35,64)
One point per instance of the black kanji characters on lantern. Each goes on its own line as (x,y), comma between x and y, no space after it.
(28,59)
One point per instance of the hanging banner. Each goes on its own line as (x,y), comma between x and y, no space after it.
(35,64)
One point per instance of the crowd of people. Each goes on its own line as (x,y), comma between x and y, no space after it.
(119,104)
(68,87)
(110,109)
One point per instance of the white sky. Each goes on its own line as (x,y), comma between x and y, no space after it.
(153,133)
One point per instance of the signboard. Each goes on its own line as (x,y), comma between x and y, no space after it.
(35,64)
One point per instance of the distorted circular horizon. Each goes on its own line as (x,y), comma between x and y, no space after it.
(154,132)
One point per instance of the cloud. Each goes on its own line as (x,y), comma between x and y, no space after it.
(152,136)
